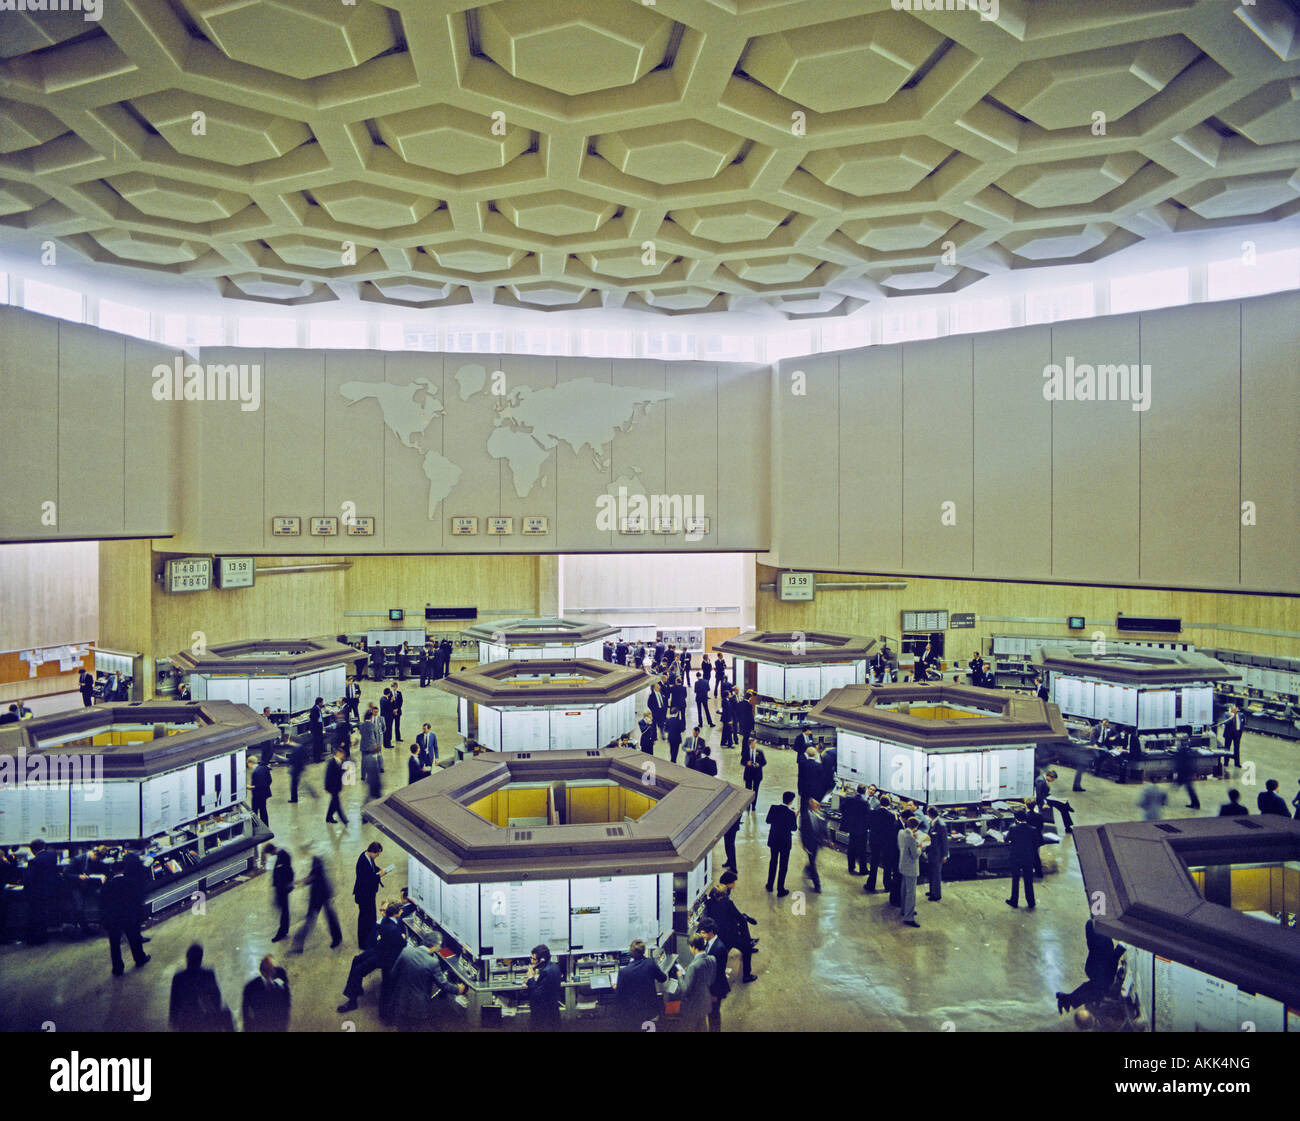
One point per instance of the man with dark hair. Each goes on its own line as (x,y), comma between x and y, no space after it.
(1270,801)
(720,986)
(266,998)
(316,723)
(196,1003)
(743,715)
(281,886)
(334,787)
(1233,725)
(365,890)
(415,769)
(937,853)
(752,761)
(702,713)
(882,827)
(398,701)
(41,886)
(1024,841)
(545,991)
(781,823)
(855,817)
(909,869)
(386,716)
(733,924)
(259,790)
(381,953)
(636,993)
(427,742)
(1233,807)
(119,913)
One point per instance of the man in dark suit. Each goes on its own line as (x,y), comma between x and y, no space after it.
(1270,801)
(196,1003)
(810,776)
(545,986)
(782,823)
(119,914)
(87,686)
(882,827)
(386,710)
(720,987)
(1024,840)
(415,770)
(281,886)
(398,701)
(352,695)
(657,703)
(334,787)
(677,694)
(318,899)
(620,652)
(732,923)
(674,725)
(650,734)
(259,791)
(705,763)
(1233,725)
(685,660)
(316,724)
(752,761)
(1042,788)
(702,701)
(719,674)
(380,953)
(743,715)
(636,993)
(365,890)
(1233,807)
(660,650)
(937,853)
(1132,742)
(266,998)
(41,888)
(444,648)
(425,665)
(727,714)
(706,671)
(855,817)
(297,764)
(1185,773)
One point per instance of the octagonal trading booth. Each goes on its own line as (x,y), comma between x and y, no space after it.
(1207,910)
(167,779)
(545,704)
(791,671)
(968,751)
(1166,696)
(543,637)
(581,851)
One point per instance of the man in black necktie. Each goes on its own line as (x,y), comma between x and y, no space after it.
(370,878)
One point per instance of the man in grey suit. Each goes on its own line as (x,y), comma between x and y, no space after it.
(909,868)
(696,980)
(938,853)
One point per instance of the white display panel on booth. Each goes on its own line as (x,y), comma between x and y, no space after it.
(333,682)
(515,917)
(591,650)
(303,691)
(460,918)
(858,759)
(198,687)
(573,729)
(665,904)
(1156,708)
(615,719)
(169,800)
(228,689)
(698,879)
(1008,773)
(523,729)
(272,692)
(609,911)
(491,652)
(424,888)
(221,782)
(902,770)
(1122,704)
(835,677)
(1198,705)
(1187,1000)
(30,811)
(109,810)
(412,635)
(803,683)
(955,777)
(462,717)
(489,727)
(771,680)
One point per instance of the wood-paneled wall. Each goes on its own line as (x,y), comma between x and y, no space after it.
(874,612)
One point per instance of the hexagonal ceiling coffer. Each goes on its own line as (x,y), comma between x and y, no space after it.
(312,253)
(183,202)
(452,140)
(135,246)
(226,133)
(788,269)
(1070,182)
(547,294)
(432,819)
(557,213)
(849,63)
(413,292)
(679,152)
(574,46)
(1065,92)
(271,287)
(377,208)
(1059,243)
(680,298)
(325,37)
(1270,115)
(731,222)
(918,278)
(626,263)
(899,231)
(25,126)
(475,256)
(1242,195)
(882,167)
(883,712)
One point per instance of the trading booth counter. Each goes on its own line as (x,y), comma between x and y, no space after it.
(543,637)
(1207,910)
(545,704)
(167,779)
(795,666)
(581,851)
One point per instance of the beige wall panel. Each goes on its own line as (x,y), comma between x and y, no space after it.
(126,586)
(293,392)
(1013,453)
(494,584)
(1095,461)
(870,454)
(540,495)
(229,460)
(406,523)
(1270,430)
(693,446)
(669,590)
(937,454)
(152,436)
(1210,619)
(578,478)
(92,448)
(805,474)
(746,447)
(29,388)
(641,453)
(1190,463)
(358,451)
(465,434)
(49,594)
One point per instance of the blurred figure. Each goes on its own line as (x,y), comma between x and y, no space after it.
(322,891)
(811,828)
(41,886)
(266,998)
(259,789)
(119,912)
(334,787)
(196,1003)
(1233,807)
(281,886)
(372,774)
(1099,968)
(1152,801)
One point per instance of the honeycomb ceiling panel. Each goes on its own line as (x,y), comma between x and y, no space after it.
(675,157)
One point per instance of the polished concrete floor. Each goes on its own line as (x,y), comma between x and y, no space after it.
(835,961)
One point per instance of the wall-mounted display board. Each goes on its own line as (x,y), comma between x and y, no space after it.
(924,620)
(236,572)
(188,574)
(796,587)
